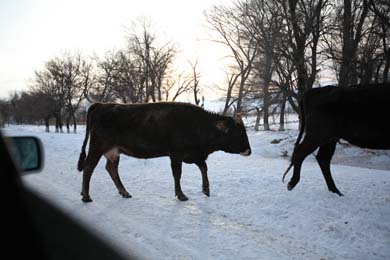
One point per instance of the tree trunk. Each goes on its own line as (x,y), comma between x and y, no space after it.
(1,121)
(60,123)
(299,53)
(159,96)
(258,116)
(386,70)
(239,98)
(282,112)
(74,124)
(351,39)
(266,111)
(368,70)
(386,51)
(197,101)
(267,83)
(68,124)
(228,97)
(377,72)
(47,125)
(345,67)
(57,123)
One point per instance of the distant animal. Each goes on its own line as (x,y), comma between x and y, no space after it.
(358,114)
(184,132)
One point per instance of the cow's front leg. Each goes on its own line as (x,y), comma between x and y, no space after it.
(324,157)
(176,171)
(205,181)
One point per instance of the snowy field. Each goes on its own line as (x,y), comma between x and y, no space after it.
(249,215)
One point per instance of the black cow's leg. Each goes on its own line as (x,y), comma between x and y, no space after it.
(303,149)
(205,181)
(176,171)
(90,164)
(112,168)
(324,156)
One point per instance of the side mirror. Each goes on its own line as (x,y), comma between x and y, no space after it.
(27,153)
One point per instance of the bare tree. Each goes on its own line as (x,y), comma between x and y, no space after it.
(354,15)
(77,72)
(162,60)
(64,82)
(128,78)
(152,60)
(358,45)
(225,20)
(195,81)
(49,82)
(27,107)
(231,83)
(5,112)
(342,41)
(306,25)
(177,85)
(381,9)
(273,45)
(264,22)
(104,83)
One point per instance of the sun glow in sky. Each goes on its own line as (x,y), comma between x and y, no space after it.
(32,32)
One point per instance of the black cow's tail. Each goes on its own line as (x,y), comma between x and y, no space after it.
(80,164)
(301,131)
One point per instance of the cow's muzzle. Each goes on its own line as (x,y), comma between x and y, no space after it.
(246,153)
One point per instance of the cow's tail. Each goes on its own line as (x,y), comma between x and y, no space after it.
(80,164)
(301,131)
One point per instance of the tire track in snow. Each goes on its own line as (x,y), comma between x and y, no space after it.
(274,247)
(211,222)
(210,231)
(144,242)
(168,236)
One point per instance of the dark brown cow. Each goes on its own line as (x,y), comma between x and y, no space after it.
(359,115)
(183,132)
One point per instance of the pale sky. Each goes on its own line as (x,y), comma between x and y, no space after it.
(33,31)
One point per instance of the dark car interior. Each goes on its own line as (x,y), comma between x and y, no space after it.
(32,228)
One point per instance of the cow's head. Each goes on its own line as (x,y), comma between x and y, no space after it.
(232,136)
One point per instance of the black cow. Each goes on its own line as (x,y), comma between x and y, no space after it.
(184,132)
(359,115)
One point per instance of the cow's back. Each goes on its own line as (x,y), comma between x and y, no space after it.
(149,130)
(158,116)
(358,115)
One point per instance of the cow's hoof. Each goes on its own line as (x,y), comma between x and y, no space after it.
(86,199)
(337,192)
(290,186)
(125,195)
(182,197)
(206,192)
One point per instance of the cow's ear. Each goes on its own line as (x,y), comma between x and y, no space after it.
(221,125)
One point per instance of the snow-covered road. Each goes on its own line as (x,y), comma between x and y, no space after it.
(249,215)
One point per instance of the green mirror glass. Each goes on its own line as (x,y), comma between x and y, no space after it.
(27,153)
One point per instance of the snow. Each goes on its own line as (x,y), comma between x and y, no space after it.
(249,215)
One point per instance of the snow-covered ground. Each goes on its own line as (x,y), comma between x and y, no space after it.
(249,215)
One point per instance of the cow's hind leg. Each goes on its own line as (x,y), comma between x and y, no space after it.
(112,168)
(176,171)
(90,164)
(205,181)
(302,150)
(324,156)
